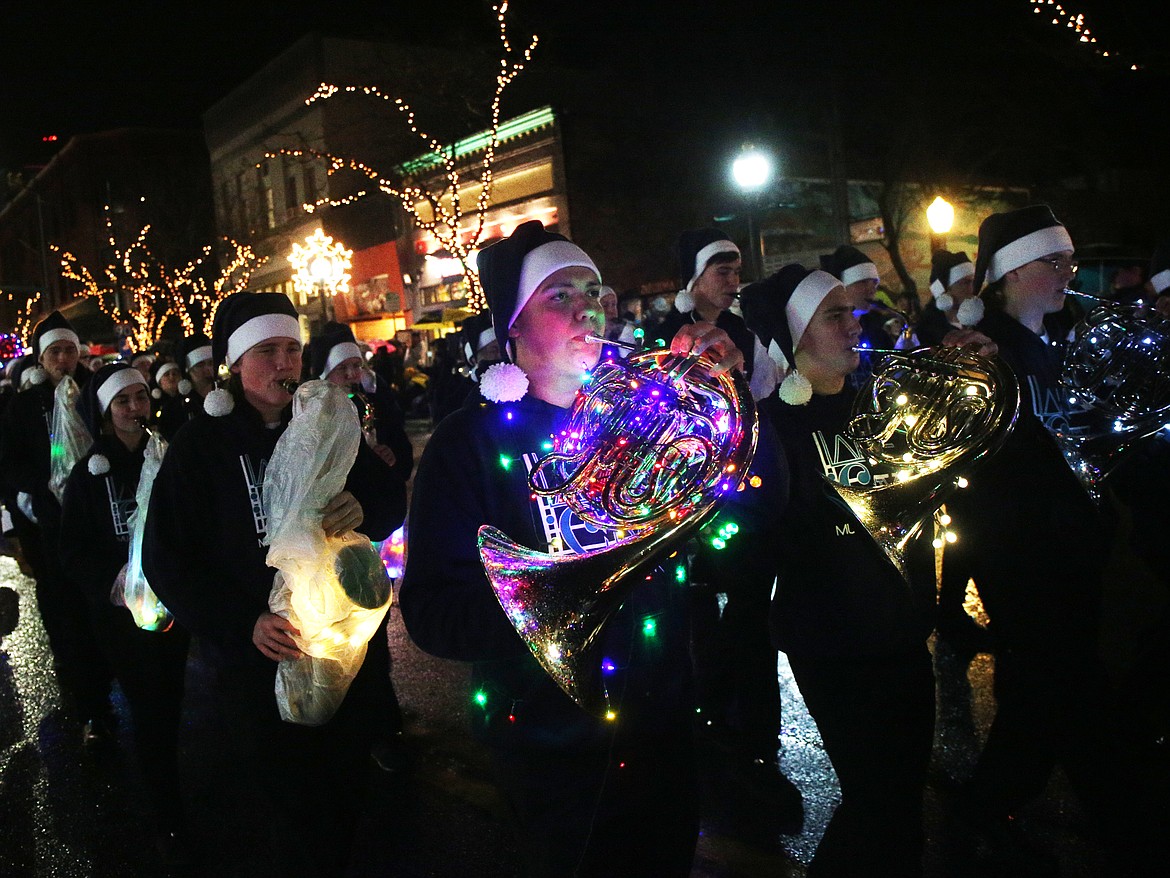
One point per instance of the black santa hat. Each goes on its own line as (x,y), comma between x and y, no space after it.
(242,321)
(696,249)
(1160,268)
(1014,238)
(335,344)
(510,271)
(53,328)
(158,368)
(946,270)
(849,265)
(1008,241)
(476,333)
(778,310)
(192,350)
(110,380)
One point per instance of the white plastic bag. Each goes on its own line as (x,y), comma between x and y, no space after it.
(69,439)
(334,590)
(131,590)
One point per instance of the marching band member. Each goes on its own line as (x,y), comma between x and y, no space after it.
(24,459)
(587,796)
(710,265)
(854,631)
(735,665)
(170,412)
(149,665)
(203,555)
(950,286)
(194,354)
(1033,526)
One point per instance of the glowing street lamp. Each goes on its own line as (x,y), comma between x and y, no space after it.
(941,217)
(752,171)
(321,266)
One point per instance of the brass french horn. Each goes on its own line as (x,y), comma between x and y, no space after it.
(921,420)
(651,445)
(1116,379)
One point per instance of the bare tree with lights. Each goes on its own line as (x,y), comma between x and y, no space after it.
(139,291)
(434,208)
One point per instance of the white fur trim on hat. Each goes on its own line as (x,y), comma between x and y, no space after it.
(258,329)
(115,384)
(777,356)
(198,355)
(862,271)
(956,274)
(706,255)
(538,264)
(141,358)
(1160,281)
(339,353)
(805,299)
(164,368)
(1027,249)
(60,334)
(99,465)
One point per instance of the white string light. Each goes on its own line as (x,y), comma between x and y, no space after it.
(1065,18)
(445,222)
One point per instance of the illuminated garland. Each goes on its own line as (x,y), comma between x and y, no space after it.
(444,223)
(138,290)
(1062,17)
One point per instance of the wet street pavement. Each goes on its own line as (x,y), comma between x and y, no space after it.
(67,812)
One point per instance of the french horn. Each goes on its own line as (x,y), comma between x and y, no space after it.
(1116,380)
(651,445)
(921,420)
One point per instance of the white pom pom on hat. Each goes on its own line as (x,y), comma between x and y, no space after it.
(795,389)
(185,387)
(503,382)
(99,465)
(37,375)
(945,301)
(219,403)
(970,312)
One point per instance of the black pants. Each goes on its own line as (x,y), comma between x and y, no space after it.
(876,718)
(313,779)
(82,668)
(150,666)
(734,660)
(629,812)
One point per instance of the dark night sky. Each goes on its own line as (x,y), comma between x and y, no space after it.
(72,67)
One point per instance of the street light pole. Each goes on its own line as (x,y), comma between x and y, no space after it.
(940,216)
(752,171)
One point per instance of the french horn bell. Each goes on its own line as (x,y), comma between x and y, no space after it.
(921,420)
(651,445)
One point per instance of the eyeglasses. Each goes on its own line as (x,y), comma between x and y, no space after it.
(1060,263)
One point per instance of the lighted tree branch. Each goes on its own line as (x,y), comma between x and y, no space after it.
(445,215)
(26,316)
(138,290)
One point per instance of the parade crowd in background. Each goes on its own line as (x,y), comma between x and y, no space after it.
(151,468)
